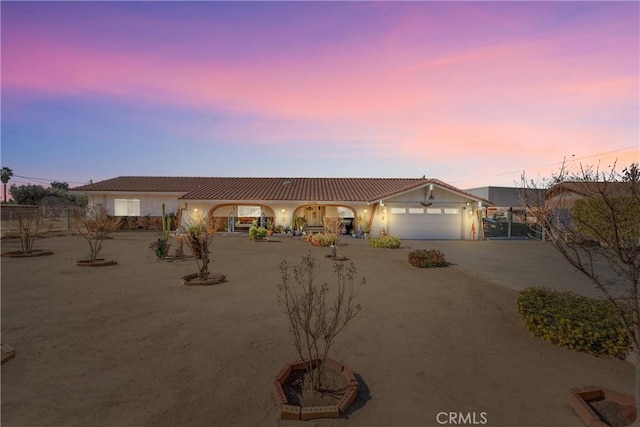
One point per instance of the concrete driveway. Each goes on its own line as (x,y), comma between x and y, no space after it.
(516,264)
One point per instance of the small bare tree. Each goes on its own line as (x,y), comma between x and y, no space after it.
(30,223)
(199,235)
(95,225)
(598,233)
(334,226)
(315,320)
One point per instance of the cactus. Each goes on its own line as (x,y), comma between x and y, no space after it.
(166,225)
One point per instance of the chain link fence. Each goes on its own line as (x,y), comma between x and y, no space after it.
(55,219)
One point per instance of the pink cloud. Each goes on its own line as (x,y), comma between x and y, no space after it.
(384,85)
(532,97)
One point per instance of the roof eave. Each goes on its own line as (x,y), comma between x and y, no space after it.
(435,184)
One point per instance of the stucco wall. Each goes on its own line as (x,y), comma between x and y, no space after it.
(467,219)
(149,204)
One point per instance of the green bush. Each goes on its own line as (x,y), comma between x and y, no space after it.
(323,239)
(573,321)
(427,258)
(257,233)
(160,247)
(389,242)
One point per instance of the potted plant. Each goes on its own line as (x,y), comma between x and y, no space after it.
(366,229)
(297,222)
(269,227)
(363,227)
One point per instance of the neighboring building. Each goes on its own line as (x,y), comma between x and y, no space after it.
(565,194)
(508,201)
(410,208)
(510,216)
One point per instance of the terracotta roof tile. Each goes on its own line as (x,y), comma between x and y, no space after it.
(309,189)
(169,184)
(312,189)
(591,188)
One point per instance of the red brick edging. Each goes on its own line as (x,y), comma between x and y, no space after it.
(8,353)
(31,254)
(296,412)
(578,398)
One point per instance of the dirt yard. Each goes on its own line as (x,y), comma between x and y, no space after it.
(129,345)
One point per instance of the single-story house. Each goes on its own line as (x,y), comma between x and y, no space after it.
(508,200)
(565,194)
(510,216)
(410,208)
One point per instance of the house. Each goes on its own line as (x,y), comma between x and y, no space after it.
(507,200)
(510,216)
(410,208)
(565,194)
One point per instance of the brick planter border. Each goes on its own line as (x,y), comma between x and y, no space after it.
(579,398)
(97,263)
(32,254)
(8,353)
(193,280)
(296,412)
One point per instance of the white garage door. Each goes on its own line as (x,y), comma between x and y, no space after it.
(425,222)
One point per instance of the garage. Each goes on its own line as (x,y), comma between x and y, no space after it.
(413,222)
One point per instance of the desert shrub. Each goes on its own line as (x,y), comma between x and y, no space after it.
(427,258)
(95,226)
(160,248)
(29,224)
(323,239)
(257,233)
(389,242)
(573,321)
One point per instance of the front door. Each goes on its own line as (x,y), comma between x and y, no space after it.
(314,215)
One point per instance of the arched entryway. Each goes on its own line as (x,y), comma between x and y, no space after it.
(240,217)
(313,215)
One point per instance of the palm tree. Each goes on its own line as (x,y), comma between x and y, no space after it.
(5,176)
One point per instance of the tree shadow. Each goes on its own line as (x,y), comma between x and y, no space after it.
(361,399)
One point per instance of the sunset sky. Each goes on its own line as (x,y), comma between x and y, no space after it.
(472,93)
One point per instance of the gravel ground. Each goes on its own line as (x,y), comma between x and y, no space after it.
(129,345)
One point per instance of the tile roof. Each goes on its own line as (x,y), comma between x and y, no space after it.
(154,184)
(310,189)
(591,188)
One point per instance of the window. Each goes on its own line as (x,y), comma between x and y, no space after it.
(126,207)
(253,211)
(434,211)
(451,211)
(398,210)
(416,210)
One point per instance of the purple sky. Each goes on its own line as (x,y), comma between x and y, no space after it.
(472,93)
